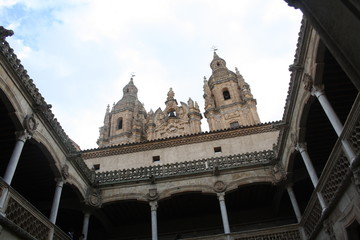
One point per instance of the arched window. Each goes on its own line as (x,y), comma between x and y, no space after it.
(226,94)
(120,123)
(172,113)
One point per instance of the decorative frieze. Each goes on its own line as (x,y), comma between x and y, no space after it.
(185,168)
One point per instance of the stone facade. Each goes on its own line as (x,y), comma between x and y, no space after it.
(228,99)
(228,104)
(297,178)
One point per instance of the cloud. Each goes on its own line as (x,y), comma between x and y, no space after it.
(81,53)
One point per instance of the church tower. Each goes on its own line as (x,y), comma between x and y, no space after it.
(228,98)
(174,120)
(126,121)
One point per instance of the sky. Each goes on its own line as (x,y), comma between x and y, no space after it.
(81,53)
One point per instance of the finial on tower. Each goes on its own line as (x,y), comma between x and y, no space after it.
(132,75)
(214,48)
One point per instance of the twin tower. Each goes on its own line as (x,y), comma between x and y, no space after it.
(228,104)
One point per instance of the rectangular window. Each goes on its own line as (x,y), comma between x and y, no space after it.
(217,149)
(156,158)
(234,124)
(96,167)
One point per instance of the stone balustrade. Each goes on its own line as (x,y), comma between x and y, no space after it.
(25,219)
(186,168)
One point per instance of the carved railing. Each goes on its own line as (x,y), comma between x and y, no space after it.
(335,178)
(26,217)
(288,232)
(185,168)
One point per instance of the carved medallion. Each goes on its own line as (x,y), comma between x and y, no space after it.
(152,195)
(308,82)
(219,186)
(30,123)
(94,197)
(65,171)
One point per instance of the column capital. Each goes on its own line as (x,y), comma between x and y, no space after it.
(59,181)
(221,196)
(153,205)
(301,147)
(289,185)
(22,135)
(318,91)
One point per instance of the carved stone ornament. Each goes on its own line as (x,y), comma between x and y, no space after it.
(93,197)
(30,123)
(293,3)
(65,171)
(278,173)
(308,82)
(219,186)
(5,33)
(328,228)
(152,195)
(356,175)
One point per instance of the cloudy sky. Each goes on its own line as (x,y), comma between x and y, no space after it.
(81,53)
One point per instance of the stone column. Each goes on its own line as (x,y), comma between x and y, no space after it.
(221,197)
(153,205)
(294,203)
(335,121)
(56,200)
(21,136)
(301,147)
(85,228)
(11,167)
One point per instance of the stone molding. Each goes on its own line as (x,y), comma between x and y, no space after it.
(178,141)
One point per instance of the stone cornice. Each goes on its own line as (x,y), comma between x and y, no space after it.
(179,140)
(296,71)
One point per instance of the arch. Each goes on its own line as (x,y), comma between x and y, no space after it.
(259,179)
(120,123)
(226,94)
(185,189)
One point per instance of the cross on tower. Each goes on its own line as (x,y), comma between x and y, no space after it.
(214,48)
(132,75)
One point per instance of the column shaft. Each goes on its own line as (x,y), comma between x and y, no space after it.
(224,213)
(56,201)
(335,122)
(85,228)
(311,170)
(309,167)
(329,111)
(14,159)
(154,233)
(294,203)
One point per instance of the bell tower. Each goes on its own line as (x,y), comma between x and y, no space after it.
(228,99)
(126,121)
